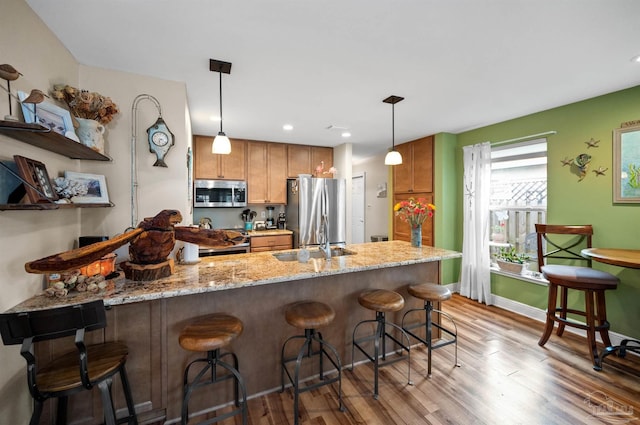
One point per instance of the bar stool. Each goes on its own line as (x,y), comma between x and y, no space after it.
(310,315)
(211,333)
(431,293)
(81,369)
(381,301)
(590,282)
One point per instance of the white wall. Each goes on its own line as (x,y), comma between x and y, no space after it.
(27,44)
(377,209)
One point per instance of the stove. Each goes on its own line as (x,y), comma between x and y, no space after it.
(240,248)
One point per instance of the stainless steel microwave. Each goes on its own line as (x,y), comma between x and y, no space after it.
(219,193)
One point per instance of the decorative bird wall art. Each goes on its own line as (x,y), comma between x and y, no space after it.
(9,73)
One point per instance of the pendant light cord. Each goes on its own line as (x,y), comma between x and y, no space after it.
(221,101)
(393,126)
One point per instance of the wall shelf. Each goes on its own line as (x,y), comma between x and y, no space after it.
(50,206)
(42,137)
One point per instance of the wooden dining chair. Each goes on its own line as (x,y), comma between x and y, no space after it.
(564,242)
(78,370)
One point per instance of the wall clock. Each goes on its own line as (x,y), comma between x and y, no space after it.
(160,141)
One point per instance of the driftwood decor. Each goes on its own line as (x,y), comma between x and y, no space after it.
(150,245)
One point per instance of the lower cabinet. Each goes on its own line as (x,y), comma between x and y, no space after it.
(271,243)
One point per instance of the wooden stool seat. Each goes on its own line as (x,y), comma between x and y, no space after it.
(381,300)
(576,277)
(430,292)
(210,332)
(309,314)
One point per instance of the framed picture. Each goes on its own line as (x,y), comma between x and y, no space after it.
(48,115)
(96,186)
(37,183)
(626,164)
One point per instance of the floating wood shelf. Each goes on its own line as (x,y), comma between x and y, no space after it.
(42,137)
(50,206)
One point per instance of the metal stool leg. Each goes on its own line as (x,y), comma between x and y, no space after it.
(429,325)
(306,350)
(379,339)
(212,361)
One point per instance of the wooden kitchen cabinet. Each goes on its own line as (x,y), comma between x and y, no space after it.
(267,173)
(219,167)
(303,159)
(298,160)
(415,174)
(414,179)
(271,243)
(402,229)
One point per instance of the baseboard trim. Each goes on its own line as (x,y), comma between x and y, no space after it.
(539,315)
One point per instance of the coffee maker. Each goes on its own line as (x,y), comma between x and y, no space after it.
(282,221)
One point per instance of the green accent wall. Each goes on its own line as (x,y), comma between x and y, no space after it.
(569,201)
(445,184)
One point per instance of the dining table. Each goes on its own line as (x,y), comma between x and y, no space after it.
(620,257)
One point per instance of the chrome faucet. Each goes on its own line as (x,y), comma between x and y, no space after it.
(326,246)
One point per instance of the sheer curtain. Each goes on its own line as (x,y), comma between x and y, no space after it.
(475,281)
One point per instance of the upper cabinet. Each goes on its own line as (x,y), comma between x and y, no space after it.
(298,160)
(414,179)
(303,159)
(267,174)
(219,167)
(415,174)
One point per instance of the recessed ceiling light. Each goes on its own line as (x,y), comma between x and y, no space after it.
(346,134)
(287,127)
(636,59)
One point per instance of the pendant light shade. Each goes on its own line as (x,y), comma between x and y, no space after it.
(221,143)
(393,157)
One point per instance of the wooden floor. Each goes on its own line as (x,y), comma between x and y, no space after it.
(504,378)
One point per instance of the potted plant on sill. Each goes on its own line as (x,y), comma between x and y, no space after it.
(509,260)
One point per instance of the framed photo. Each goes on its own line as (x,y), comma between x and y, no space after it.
(38,185)
(96,185)
(48,115)
(626,164)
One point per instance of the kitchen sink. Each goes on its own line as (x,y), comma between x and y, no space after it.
(315,253)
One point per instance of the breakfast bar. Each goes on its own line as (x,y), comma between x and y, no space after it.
(148,316)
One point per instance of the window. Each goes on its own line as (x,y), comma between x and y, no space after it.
(518,196)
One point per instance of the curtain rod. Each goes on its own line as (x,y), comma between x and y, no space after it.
(518,139)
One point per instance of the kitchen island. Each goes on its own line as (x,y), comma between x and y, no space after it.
(148,316)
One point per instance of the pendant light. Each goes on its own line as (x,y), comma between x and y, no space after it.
(221,143)
(393,157)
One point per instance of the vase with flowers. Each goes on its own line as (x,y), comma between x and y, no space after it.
(415,212)
(91,110)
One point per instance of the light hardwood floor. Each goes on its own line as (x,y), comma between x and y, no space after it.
(504,378)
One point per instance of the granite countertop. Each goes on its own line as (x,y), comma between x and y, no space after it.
(242,270)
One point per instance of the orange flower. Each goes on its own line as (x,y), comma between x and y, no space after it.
(414,211)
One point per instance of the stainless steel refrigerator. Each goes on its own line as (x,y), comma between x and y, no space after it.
(313,206)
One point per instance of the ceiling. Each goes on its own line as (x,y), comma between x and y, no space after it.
(459,64)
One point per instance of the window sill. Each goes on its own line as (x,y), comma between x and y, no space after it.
(528,276)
